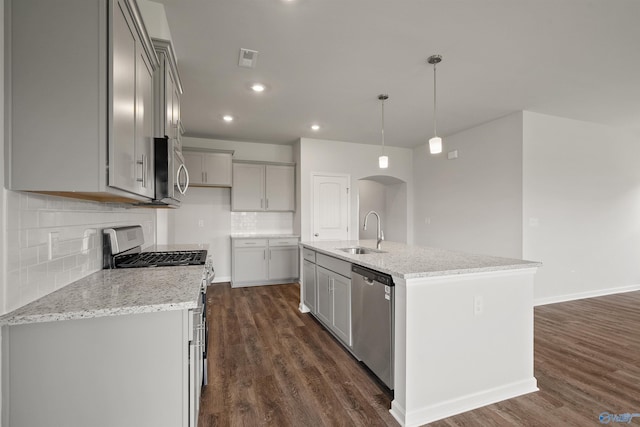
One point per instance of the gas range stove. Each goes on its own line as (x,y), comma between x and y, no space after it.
(161,259)
(122,248)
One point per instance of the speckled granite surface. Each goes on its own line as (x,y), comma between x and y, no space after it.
(262,236)
(411,262)
(117,292)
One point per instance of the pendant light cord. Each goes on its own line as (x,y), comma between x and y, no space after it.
(435,133)
(383,127)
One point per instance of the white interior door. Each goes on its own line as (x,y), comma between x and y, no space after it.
(330,207)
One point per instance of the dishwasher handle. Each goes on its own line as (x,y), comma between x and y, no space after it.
(371,276)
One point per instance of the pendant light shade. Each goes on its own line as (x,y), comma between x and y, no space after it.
(435,143)
(383,160)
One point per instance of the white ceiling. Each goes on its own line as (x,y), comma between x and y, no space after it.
(326,61)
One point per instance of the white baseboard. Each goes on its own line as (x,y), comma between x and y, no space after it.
(466,403)
(582,295)
(397,412)
(222,279)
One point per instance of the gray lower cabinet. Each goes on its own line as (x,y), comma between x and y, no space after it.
(79,86)
(264,261)
(309,288)
(128,371)
(249,265)
(334,302)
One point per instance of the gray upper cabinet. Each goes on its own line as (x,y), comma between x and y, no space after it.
(263,187)
(168,90)
(79,99)
(208,168)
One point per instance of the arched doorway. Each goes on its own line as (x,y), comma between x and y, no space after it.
(387,196)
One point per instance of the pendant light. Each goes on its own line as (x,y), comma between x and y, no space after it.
(383,161)
(435,143)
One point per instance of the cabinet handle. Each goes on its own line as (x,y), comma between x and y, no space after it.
(316,234)
(267,204)
(264,254)
(261,203)
(206,177)
(141,163)
(202,177)
(269,254)
(145,167)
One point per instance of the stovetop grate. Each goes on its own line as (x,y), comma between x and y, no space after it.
(161,259)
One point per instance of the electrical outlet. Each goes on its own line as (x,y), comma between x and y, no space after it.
(54,238)
(478,305)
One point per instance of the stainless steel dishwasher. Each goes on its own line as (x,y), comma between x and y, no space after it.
(372,321)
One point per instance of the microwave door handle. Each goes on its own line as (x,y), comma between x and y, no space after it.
(178,179)
(182,190)
(186,185)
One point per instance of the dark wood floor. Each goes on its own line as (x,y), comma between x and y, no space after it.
(271,365)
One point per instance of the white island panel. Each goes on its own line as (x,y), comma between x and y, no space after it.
(452,355)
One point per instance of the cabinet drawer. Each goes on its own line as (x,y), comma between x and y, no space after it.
(249,243)
(334,264)
(309,255)
(283,242)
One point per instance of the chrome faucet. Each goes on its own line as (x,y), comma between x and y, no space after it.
(380,235)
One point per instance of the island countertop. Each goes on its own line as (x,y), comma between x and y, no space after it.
(409,262)
(117,292)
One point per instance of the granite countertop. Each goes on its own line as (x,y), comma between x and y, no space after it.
(263,236)
(409,262)
(117,292)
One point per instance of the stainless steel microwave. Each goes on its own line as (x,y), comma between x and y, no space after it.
(172,177)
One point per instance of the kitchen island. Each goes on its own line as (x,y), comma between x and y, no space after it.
(118,347)
(463,325)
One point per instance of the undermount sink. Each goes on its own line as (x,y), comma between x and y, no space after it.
(359,250)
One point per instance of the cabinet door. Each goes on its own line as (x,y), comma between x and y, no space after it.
(144,126)
(168,100)
(249,264)
(247,193)
(342,308)
(309,285)
(193,162)
(122,143)
(217,169)
(283,263)
(324,300)
(176,112)
(280,188)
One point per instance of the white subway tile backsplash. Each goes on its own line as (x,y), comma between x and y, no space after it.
(262,222)
(78,251)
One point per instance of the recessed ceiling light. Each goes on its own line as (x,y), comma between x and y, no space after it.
(315,127)
(227,118)
(258,87)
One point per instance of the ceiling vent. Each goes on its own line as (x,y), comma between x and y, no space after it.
(248,58)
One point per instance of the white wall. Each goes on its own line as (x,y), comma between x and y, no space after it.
(155,19)
(358,160)
(205,214)
(472,203)
(396,210)
(581,188)
(245,150)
